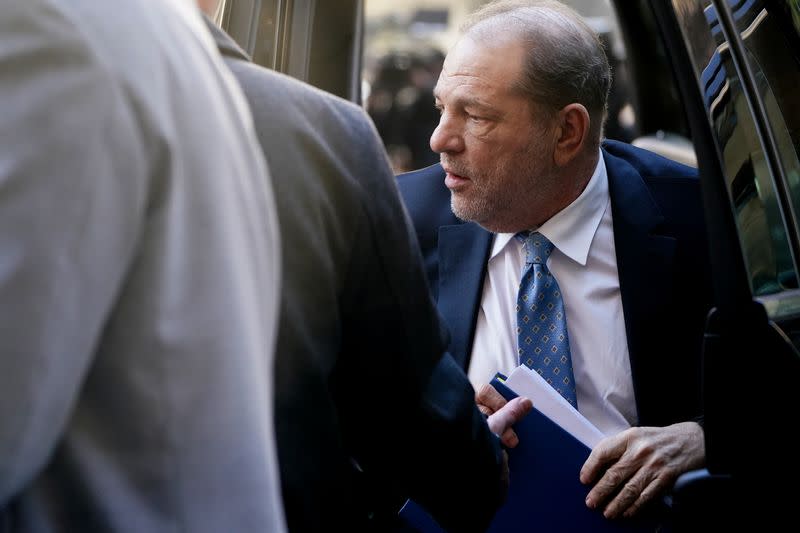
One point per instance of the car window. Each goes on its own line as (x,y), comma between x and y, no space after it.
(751,183)
(267,48)
(772,57)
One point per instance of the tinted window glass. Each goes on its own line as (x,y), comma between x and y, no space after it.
(771,54)
(750,183)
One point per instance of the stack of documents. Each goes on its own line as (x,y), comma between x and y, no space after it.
(545,492)
(525,382)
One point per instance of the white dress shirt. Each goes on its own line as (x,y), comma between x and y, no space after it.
(584,263)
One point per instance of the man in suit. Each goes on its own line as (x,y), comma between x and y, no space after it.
(368,410)
(522,99)
(139,277)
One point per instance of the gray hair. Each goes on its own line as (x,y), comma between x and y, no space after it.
(566,62)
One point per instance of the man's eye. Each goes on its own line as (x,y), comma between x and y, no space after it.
(476,118)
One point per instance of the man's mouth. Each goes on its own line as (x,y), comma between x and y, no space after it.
(454,180)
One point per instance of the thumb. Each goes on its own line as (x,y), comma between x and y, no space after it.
(509,414)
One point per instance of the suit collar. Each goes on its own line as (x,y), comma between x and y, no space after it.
(572,229)
(227,46)
(633,206)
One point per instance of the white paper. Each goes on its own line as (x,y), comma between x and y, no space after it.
(525,382)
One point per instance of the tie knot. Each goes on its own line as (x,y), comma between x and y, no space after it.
(537,247)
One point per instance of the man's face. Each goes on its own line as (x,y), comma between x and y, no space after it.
(498,159)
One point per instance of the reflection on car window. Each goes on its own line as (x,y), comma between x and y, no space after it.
(773,61)
(750,182)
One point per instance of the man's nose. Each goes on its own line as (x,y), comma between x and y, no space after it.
(447,137)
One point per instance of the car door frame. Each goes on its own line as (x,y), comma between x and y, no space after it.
(726,491)
(285,35)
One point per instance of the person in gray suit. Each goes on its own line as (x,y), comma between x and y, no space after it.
(368,412)
(139,274)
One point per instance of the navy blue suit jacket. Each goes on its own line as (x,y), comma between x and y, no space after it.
(662,260)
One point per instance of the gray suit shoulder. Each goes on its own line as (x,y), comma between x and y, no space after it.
(292,103)
(307,132)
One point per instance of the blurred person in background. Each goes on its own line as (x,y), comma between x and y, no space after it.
(400,102)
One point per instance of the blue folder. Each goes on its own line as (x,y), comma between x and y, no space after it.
(545,493)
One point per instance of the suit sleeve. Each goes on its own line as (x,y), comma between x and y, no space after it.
(69,198)
(423,429)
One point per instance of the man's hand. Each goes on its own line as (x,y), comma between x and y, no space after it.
(491,402)
(500,421)
(639,464)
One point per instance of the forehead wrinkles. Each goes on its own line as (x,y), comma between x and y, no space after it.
(464,86)
(472,83)
(486,69)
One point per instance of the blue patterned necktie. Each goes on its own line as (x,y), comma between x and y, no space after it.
(541,321)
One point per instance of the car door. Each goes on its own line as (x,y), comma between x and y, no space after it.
(737,66)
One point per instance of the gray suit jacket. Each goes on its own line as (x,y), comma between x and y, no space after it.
(360,373)
(138,277)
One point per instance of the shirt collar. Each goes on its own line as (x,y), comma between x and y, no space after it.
(572,229)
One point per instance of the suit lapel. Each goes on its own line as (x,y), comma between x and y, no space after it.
(644,258)
(227,46)
(463,253)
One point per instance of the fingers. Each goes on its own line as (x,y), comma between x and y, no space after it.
(633,468)
(614,479)
(509,438)
(610,467)
(670,452)
(654,488)
(489,400)
(501,420)
(644,485)
(607,451)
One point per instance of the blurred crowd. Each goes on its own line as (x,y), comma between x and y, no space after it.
(398,96)
(399,99)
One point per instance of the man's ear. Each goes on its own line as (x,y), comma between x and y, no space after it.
(572,131)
